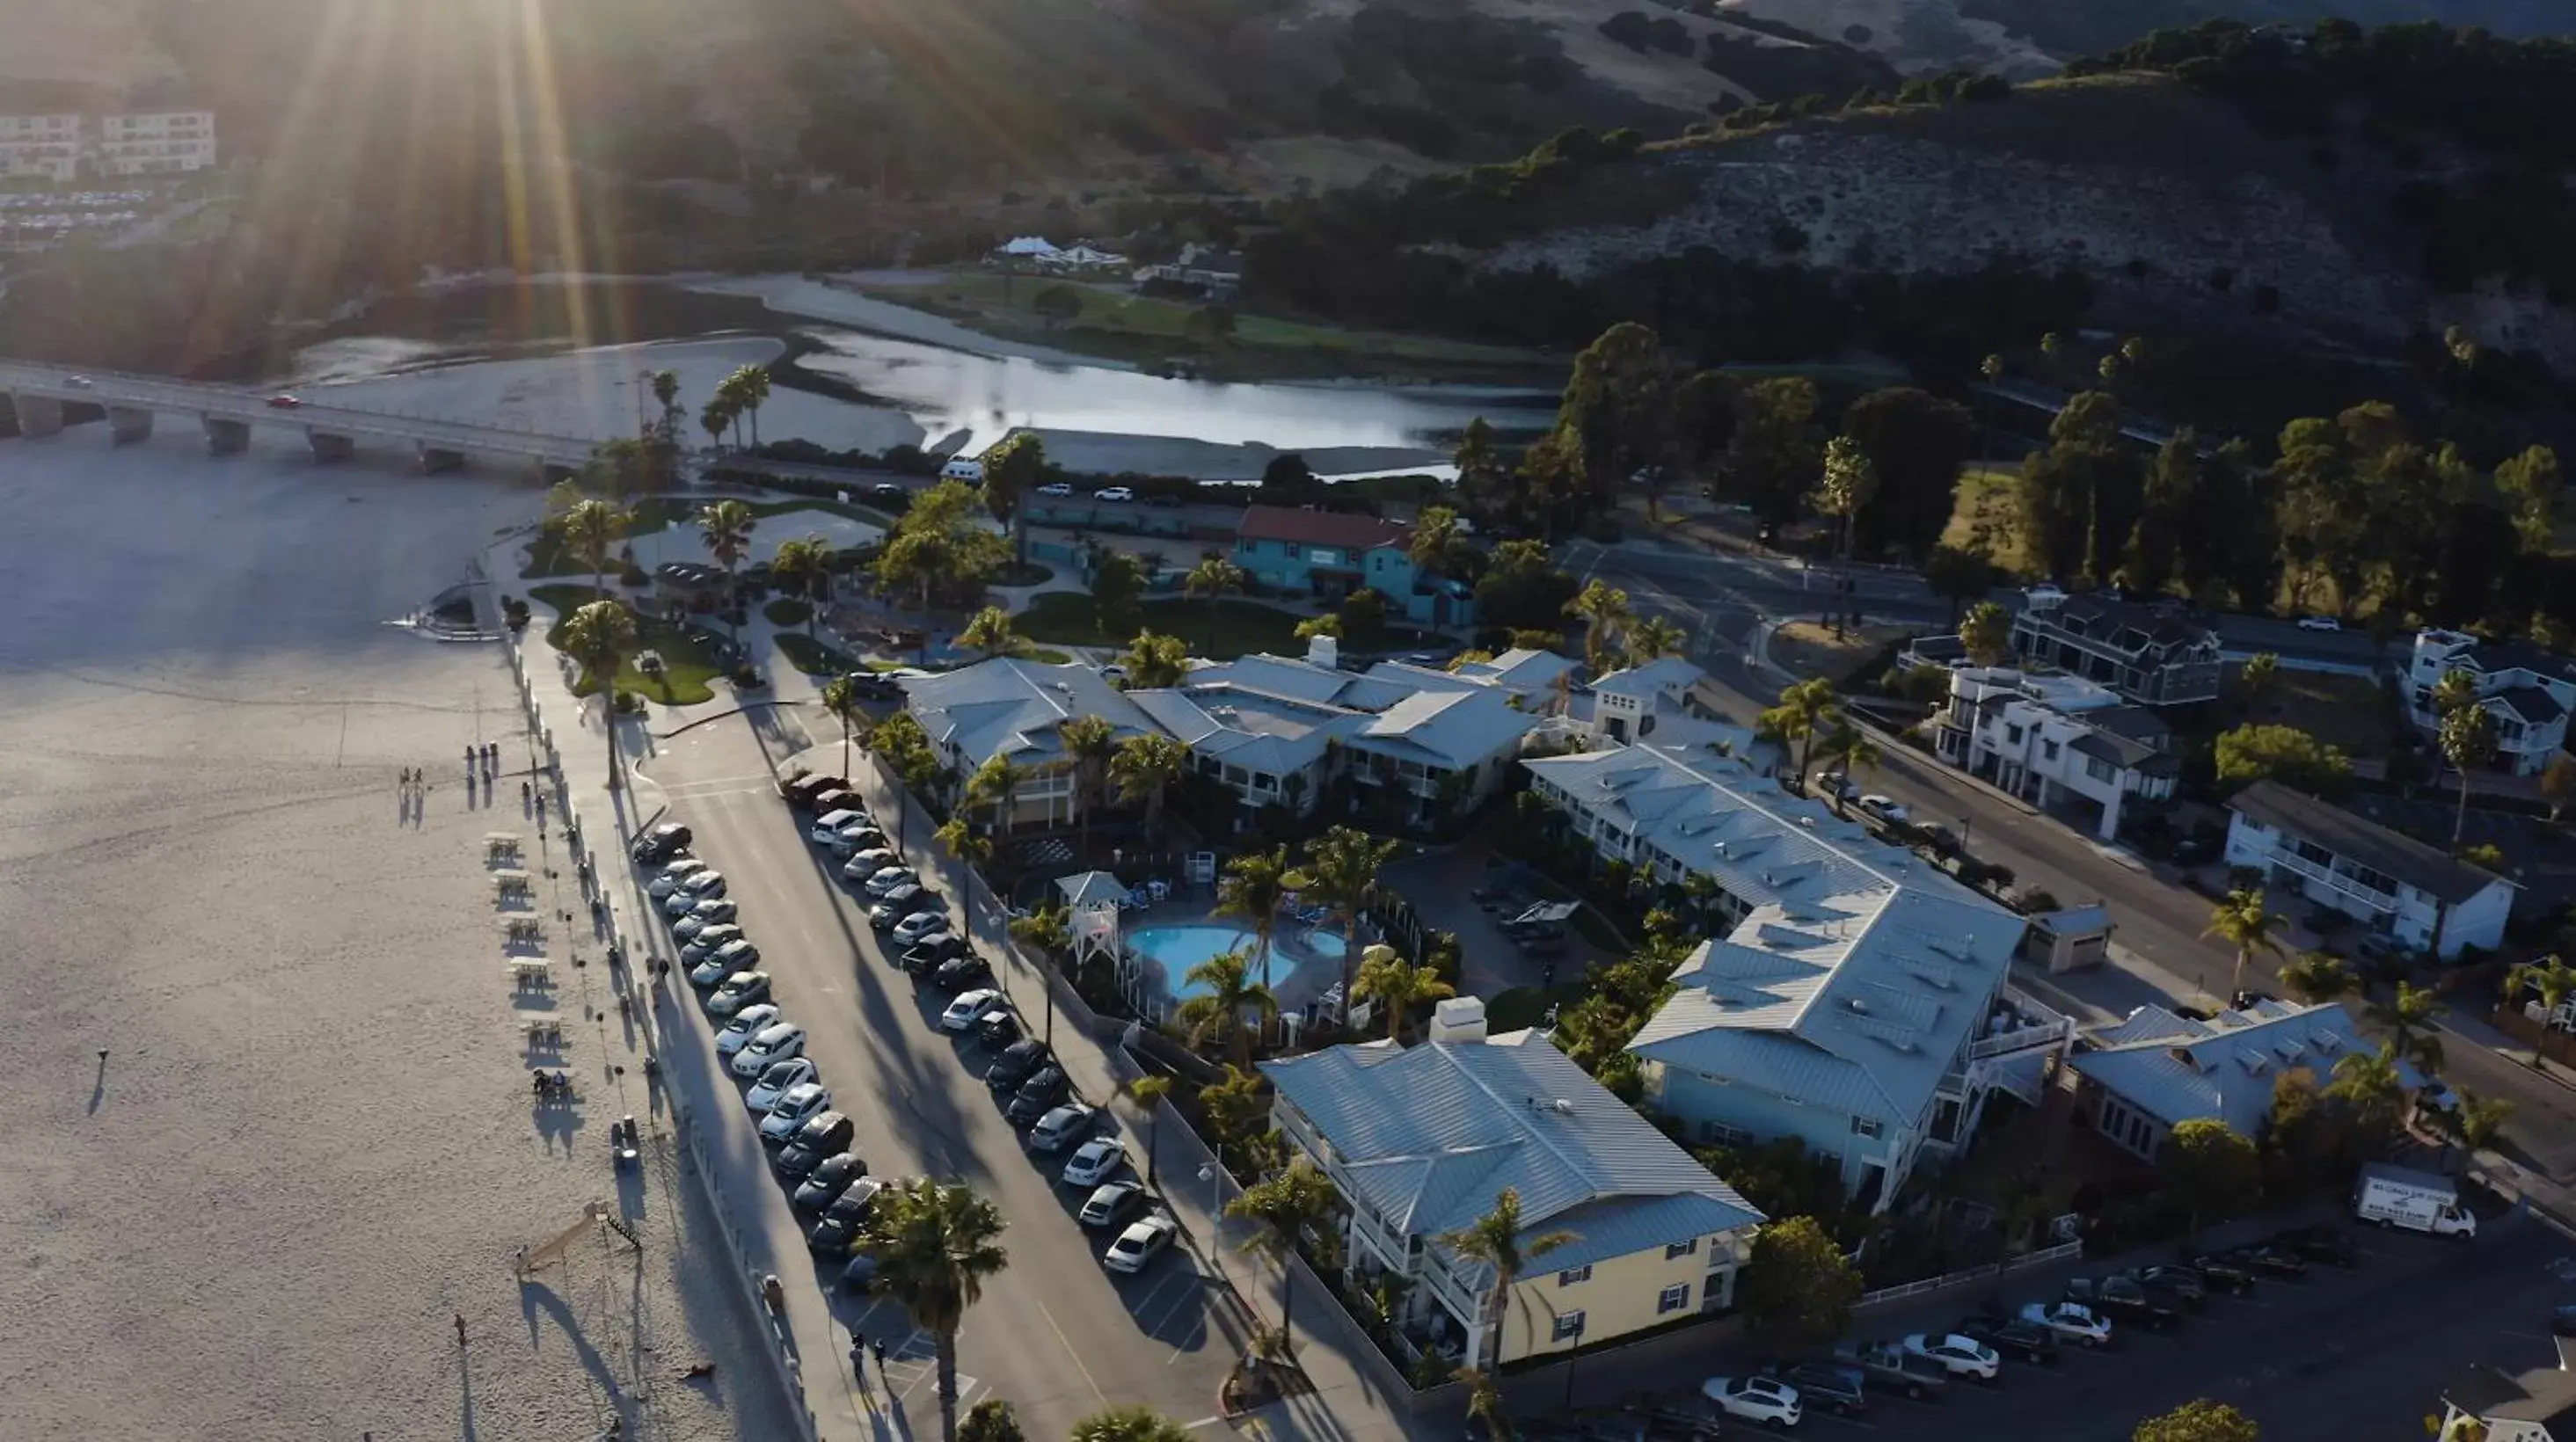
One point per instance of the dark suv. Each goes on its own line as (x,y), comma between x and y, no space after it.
(662,843)
(2011,1336)
(1837,1387)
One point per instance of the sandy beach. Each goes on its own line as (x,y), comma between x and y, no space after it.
(310,1146)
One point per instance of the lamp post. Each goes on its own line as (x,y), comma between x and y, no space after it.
(1216,1218)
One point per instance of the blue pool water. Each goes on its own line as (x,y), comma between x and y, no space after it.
(1180,949)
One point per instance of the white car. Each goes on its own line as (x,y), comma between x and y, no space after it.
(890,878)
(2042,593)
(776,1082)
(918,925)
(1834,784)
(1140,1243)
(741,989)
(1097,1161)
(829,824)
(864,866)
(1055,488)
(746,1024)
(1957,1355)
(710,912)
(719,965)
(1114,495)
(1886,808)
(1755,1399)
(2319,623)
(709,941)
(2071,1320)
(673,874)
(776,1043)
(969,1008)
(694,888)
(811,1099)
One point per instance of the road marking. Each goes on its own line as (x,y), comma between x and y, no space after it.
(1202,1422)
(1069,1351)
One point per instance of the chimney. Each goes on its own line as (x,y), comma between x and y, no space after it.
(1324,651)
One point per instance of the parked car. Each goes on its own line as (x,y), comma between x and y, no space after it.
(800,1105)
(2268,1261)
(930,953)
(860,1275)
(867,861)
(709,941)
(2011,1336)
(2123,1301)
(1833,786)
(778,1080)
(2180,1286)
(905,900)
(969,1008)
(999,1028)
(919,925)
(1061,1127)
(745,1025)
(1110,1203)
(1839,1389)
(1018,1062)
(829,824)
(1887,809)
(775,1042)
(826,1134)
(661,843)
(283,403)
(1767,1400)
(2220,1274)
(1114,495)
(1958,1355)
(961,971)
(2330,1245)
(1038,1095)
(800,791)
(2072,1321)
(78,383)
(1055,488)
(705,914)
(1893,1368)
(1092,1163)
(680,869)
(2319,623)
(831,1235)
(830,1177)
(861,836)
(1140,1243)
(833,800)
(719,966)
(887,915)
(739,990)
(888,879)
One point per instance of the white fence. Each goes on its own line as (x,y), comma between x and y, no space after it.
(1946,1280)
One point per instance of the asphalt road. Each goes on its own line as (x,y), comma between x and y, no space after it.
(1055,1334)
(2358,1356)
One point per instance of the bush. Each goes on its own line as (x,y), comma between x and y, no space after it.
(629,704)
(788,611)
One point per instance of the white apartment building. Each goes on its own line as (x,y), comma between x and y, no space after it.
(2395,884)
(2528,690)
(43,146)
(65,147)
(2047,737)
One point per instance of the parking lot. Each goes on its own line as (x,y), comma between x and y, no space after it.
(2349,1354)
(1056,1334)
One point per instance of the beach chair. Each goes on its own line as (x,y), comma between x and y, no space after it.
(531,973)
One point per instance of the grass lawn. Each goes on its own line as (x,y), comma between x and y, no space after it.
(1985,512)
(547,557)
(1526,1006)
(787,611)
(2345,711)
(1219,630)
(816,658)
(689,666)
(1808,649)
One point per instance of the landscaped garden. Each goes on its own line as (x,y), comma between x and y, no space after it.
(1220,630)
(689,660)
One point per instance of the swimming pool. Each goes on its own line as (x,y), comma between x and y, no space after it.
(1181,949)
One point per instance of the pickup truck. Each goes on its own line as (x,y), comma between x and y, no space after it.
(2122,1300)
(1888,1365)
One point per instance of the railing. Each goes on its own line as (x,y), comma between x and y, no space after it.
(2047,1027)
(1973,1274)
(2349,885)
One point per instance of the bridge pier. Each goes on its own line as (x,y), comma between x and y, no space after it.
(549,472)
(330,447)
(226,438)
(129,424)
(38,415)
(435,460)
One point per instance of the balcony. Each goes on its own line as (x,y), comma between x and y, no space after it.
(2352,886)
(2018,1022)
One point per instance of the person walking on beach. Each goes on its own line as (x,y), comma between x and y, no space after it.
(859,1356)
(877,1347)
(460,1329)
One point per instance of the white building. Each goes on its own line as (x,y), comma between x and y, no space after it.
(2528,690)
(1016,710)
(2147,653)
(1859,1000)
(44,146)
(2046,737)
(2393,883)
(2157,1069)
(1667,701)
(160,142)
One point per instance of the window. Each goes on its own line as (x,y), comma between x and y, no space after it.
(1572,1275)
(1681,1249)
(2097,768)
(2048,750)
(1723,1135)
(1237,776)
(2012,735)
(1569,1325)
(1866,1127)
(1674,1298)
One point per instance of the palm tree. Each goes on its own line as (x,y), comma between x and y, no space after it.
(2368,1083)
(2468,741)
(1148,1093)
(1145,768)
(807,561)
(1485,1403)
(1398,985)
(1091,743)
(1234,1107)
(997,783)
(990,632)
(1850,482)
(841,698)
(2410,1016)
(1606,616)
(1986,633)
(2319,976)
(1806,710)
(1340,873)
(1134,1423)
(590,529)
(1655,637)
(716,417)
(2242,922)
(1253,887)
(934,1247)
(751,391)
(2455,691)
(1287,1205)
(1495,1239)
(1153,661)
(2555,981)
(2471,1122)
(1438,547)
(726,527)
(1218,1010)
(2257,680)
(666,394)
(1846,748)
(600,636)
(963,841)
(1214,577)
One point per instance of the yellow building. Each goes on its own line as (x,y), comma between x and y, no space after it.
(1422,1142)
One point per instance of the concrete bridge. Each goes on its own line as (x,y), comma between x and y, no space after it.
(133,404)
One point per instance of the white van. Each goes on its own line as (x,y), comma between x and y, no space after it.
(962,469)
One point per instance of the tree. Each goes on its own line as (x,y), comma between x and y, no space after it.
(2211,1169)
(1153,662)
(2468,741)
(590,530)
(1013,471)
(1523,589)
(747,389)
(1148,1092)
(2529,483)
(2319,976)
(990,632)
(906,748)
(2553,981)
(1362,615)
(806,563)
(1255,885)
(1226,990)
(841,698)
(938,539)
(990,1420)
(1606,616)
(1847,749)
(935,1246)
(1797,1288)
(1288,1206)
(1340,874)
(716,418)
(1850,484)
(666,395)
(1133,1423)
(1057,305)
(2558,784)
(2201,1421)
(2411,1018)
(1958,575)
(1807,710)
(1117,587)
(1050,933)
(1214,577)
(1616,413)
(1091,743)
(1496,1240)
(1314,626)
(2242,921)
(1484,478)
(1655,637)
(1235,1107)
(2257,681)
(726,527)
(1485,1403)
(1987,633)
(963,841)
(2369,1083)
(1145,769)
(1437,547)
(2174,500)
(997,784)
(1915,443)
(2473,1123)
(2281,753)
(1774,454)
(1386,978)
(600,636)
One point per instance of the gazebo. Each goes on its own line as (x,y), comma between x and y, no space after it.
(1091,902)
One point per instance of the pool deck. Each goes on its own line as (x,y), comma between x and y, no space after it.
(1300,974)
